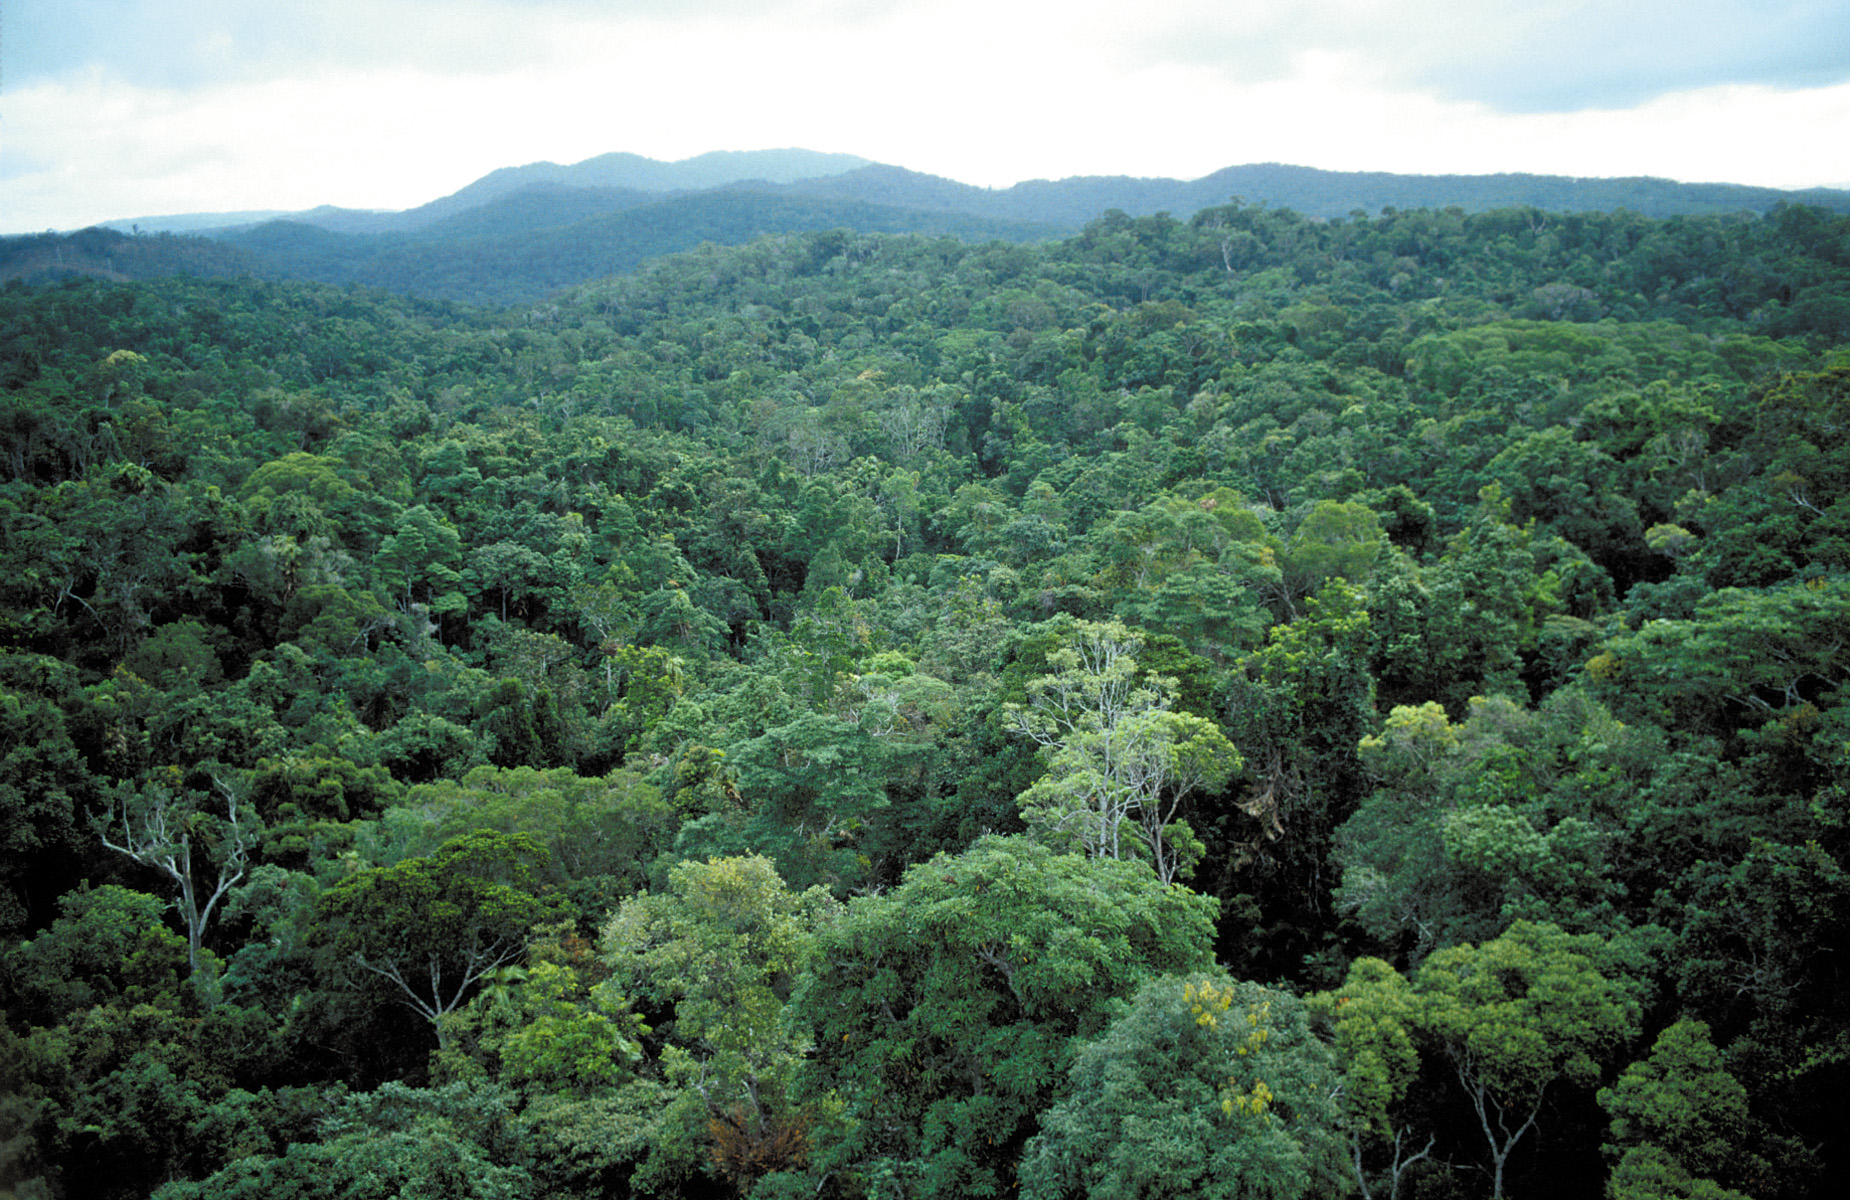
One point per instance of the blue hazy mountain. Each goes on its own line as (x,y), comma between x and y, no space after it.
(518,233)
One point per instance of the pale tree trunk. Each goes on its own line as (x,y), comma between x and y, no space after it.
(157,838)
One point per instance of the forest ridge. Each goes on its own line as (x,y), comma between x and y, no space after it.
(519,234)
(1245,705)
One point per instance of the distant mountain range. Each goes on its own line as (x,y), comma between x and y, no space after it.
(620,179)
(611,182)
(521,232)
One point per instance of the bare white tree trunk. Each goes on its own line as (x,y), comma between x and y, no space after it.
(156,836)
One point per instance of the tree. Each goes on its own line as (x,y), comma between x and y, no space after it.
(1376,1022)
(43,787)
(1570,484)
(721,950)
(1748,655)
(433,927)
(107,947)
(816,783)
(127,1091)
(1519,1014)
(155,823)
(914,421)
(395,1142)
(546,1029)
(1679,1115)
(1115,751)
(1205,1087)
(520,728)
(303,494)
(506,568)
(1509,814)
(425,549)
(946,1010)
(1211,607)
(606,826)
(1457,627)
(1333,541)
(129,550)
(1297,708)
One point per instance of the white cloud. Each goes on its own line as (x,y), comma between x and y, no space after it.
(1518,55)
(188,43)
(985,91)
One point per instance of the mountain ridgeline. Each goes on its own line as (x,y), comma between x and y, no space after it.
(520,233)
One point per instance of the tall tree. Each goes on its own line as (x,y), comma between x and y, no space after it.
(155,824)
(1677,1115)
(1518,1015)
(1205,1087)
(719,952)
(1376,1020)
(946,1010)
(432,928)
(1116,752)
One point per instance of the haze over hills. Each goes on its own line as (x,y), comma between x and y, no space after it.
(506,253)
(627,178)
(715,169)
(618,173)
(519,233)
(1312,192)
(1071,201)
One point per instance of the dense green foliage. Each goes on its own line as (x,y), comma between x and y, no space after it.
(1328,706)
(521,248)
(517,234)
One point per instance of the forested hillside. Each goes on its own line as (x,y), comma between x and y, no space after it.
(1244,707)
(517,235)
(521,248)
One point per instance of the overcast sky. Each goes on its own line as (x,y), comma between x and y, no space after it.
(120,108)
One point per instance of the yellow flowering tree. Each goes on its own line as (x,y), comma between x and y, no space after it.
(1207,1087)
